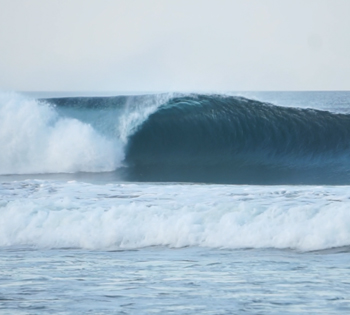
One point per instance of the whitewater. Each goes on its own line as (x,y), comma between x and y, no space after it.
(175,203)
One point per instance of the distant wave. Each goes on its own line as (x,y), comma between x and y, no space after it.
(186,138)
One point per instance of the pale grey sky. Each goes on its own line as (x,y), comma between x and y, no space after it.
(174,45)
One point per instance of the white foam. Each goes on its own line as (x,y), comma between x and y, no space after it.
(34,138)
(51,214)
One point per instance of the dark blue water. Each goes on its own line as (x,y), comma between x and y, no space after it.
(229,139)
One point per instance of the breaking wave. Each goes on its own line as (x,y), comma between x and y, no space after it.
(186,138)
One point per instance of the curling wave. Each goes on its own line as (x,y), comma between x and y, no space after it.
(186,138)
(211,138)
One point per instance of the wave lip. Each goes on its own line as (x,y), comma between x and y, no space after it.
(213,138)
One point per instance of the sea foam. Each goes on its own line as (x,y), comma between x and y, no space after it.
(37,137)
(34,139)
(48,214)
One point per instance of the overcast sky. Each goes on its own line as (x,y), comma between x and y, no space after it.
(174,45)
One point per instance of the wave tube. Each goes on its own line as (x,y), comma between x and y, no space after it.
(220,139)
(175,138)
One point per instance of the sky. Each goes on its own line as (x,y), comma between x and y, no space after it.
(174,45)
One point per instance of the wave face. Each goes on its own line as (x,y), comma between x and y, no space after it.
(181,138)
(211,138)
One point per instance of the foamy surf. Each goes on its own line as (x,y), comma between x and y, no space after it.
(35,139)
(44,214)
(38,137)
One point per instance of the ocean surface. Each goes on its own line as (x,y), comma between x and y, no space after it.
(235,203)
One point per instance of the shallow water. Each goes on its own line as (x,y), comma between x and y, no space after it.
(181,281)
(129,248)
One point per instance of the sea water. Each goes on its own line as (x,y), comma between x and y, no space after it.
(81,231)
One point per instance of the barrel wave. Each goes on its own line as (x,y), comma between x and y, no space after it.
(174,138)
(221,139)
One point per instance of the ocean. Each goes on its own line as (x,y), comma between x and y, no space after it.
(182,203)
